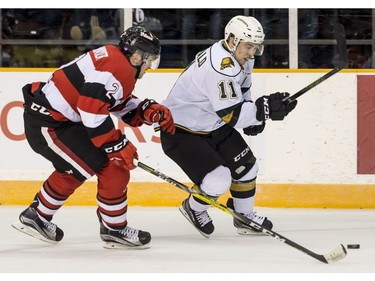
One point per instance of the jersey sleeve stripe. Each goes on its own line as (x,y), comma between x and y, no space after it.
(92,120)
(93,106)
(232,118)
(74,75)
(59,103)
(223,112)
(63,84)
(105,133)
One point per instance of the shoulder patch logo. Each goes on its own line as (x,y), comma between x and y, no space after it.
(100,53)
(226,62)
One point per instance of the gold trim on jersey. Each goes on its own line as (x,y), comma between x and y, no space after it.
(157,129)
(227,118)
(190,131)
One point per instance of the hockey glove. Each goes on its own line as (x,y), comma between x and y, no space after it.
(123,151)
(254,130)
(151,112)
(272,107)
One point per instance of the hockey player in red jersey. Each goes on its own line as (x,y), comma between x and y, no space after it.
(210,101)
(68,121)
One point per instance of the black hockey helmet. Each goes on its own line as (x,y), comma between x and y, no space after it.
(137,37)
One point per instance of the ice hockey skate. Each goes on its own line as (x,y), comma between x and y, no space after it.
(244,229)
(32,224)
(127,238)
(200,220)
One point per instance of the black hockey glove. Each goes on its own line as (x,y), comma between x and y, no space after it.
(272,107)
(254,130)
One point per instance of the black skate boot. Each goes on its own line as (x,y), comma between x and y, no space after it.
(125,238)
(244,229)
(201,220)
(33,225)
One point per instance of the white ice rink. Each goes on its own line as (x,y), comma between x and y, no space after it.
(178,248)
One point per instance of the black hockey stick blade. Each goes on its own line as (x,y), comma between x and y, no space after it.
(335,255)
(339,62)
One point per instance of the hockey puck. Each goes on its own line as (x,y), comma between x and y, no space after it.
(353,246)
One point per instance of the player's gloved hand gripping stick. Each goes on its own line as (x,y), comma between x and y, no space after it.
(278,105)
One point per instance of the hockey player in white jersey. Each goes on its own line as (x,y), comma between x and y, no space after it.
(211,100)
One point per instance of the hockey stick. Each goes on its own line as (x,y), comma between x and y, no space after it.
(339,64)
(333,256)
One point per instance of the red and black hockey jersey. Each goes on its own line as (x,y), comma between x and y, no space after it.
(88,89)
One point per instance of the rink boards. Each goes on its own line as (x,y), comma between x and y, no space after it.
(321,156)
(166,195)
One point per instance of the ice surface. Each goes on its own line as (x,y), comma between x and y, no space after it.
(178,248)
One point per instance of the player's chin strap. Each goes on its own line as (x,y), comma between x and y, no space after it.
(138,71)
(335,255)
(226,46)
(138,68)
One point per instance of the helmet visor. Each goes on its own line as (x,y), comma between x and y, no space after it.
(151,60)
(154,61)
(259,50)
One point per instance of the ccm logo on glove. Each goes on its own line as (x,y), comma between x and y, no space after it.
(266,108)
(273,107)
(117,147)
(123,151)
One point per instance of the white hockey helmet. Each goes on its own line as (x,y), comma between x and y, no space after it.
(245,29)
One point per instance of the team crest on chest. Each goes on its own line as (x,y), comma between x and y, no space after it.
(226,62)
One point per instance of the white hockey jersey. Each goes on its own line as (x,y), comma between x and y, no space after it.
(213,90)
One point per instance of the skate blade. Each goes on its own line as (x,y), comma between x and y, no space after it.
(118,246)
(32,232)
(188,218)
(249,232)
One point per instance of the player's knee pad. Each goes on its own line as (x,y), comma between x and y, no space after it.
(251,174)
(217,182)
(245,186)
(246,171)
